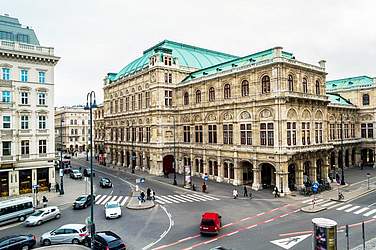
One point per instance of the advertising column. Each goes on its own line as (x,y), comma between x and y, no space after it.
(324,234)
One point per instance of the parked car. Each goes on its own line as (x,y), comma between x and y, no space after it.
(17,242)
(210,223)
(105,182)
(42,215)
(70,233)
(108,240)
(87,172)
(112,210)
(83,201)
(75,174)
(67,169)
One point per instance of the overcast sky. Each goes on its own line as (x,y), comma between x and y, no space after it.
(94,37)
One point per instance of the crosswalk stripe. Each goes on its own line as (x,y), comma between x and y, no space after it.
(335,205)
(352,209)
(319,201)
(370,212)
(214,198)
(192,198)
(181,198)
(114,198)
(196,196)
(160,198)
(160,202)
(307,201)
(170,199)
(344,207)
(329,204)
(361,210)
(205,196)
(124,201)
(106,200)
(97,197)
(119,199)
(101,199)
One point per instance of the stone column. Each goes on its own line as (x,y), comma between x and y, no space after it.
(220,169)
(237,174)
(125,158)
(299,175)
(336,161)
(325,169)
(113,154)
(257,185)
(282,181)
(137,167)
(119,163)
(313,170)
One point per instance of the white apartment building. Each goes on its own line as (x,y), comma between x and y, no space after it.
(74,122)
(27,143)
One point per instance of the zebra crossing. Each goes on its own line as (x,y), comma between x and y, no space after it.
(366,211)
(103,199)
(183,198)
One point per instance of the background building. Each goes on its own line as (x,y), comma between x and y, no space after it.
(264,119)
(99,133)
(74,122)
(27,147)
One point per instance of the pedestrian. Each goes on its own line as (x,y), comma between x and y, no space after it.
(245,191)
(44,200)
(142,197)
(235,193)
(153,195)
(337,178)
(49,187)
(57,187)
(204,187)
(275,191)
(148,193)
(193,187)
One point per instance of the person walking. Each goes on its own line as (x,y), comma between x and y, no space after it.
(152,195)
(204,187)
(245,191)
(142,197)
(49,187)
(57,187)
(275,191)
(148,193)
(44,200)
(337,178)
(235,193)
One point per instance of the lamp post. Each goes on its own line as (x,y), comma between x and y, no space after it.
(368,176)
(132,153)
(174,162)
(61,170)
(343,154)
(90,104)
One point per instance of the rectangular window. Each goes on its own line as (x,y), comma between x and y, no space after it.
(263,134)
(169,77)
(352,130)
(318,132)
(42,76)
(133,134)
(198,134)
(339,131)
(24,98)
(6,74)
(42,122)
(246,134)
(332,132)
(24,75)
(227,133)
(7,148)
(306,139)
(139,100)
(346,131)
(168,98)
(6,121)
(6,96)
(370,130)
(148,134)
(133,102)
(291,133)
(267,134)
(147,99)
(186,133)
(116,106)
(141,134)
(25,148)
(127,103)
(42,146)
(212,132)
(24,122)
(363,130)
(270,134)
(121,104)
(42,98)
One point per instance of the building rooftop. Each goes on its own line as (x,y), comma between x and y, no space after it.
(338,100)
(12,30)
(350,83)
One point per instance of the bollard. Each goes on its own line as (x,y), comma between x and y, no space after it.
(324,234)
(137,188)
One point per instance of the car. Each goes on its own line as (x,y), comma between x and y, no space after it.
(87,172)
(67,168)
(112,210)
(69,233)
(83,201)
(17,242)
(105,182)
(210,223)
(75,174)
(108,240)
(42,215)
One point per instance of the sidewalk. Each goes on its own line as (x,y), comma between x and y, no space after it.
(370,245)
(136,204)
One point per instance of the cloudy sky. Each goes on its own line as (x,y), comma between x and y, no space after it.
(94,37)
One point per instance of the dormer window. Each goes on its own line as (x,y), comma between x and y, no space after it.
(167,60)
(153,60)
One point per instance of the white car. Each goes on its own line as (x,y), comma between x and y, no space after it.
(112,210)
(75,174)
(70,233)
(42,215)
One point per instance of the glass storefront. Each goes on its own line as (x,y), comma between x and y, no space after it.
(4,184)
(42,178)
(25,181)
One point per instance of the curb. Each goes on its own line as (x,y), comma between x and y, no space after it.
(138,207)
(64,247)
(314,210)
(355,197)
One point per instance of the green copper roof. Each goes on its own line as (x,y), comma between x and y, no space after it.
(349,83)
(187,55)
(237,62)
(11,30)
(339,100)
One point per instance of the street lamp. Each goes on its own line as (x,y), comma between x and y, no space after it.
(132,153)
(61,173)
(368,176)
(174,162)
(343,154)
(90,104)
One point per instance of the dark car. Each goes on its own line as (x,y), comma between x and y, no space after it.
(107,240)
(105,182)
(15,242)
(83,201)
(87,172)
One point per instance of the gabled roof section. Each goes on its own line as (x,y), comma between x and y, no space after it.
(338,100)
(188,56)
(237,62)
(12,30)
(350,83)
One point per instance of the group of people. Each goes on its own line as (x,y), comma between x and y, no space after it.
(150,195)
(235,193)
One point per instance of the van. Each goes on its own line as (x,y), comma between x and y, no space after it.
(210,223)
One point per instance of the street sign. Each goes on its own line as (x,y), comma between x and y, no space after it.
(61,172)
(35,186)
(206,178)
(140,180)
(288,243)
(315,187)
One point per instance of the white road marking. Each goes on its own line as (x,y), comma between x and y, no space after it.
(329,204)
(114,198)
(211,197)
(232,233)
(97,197)
(197,197)
(162,199)
(183,199)
(119,199)
(105,200)
(361,210)
(159,201)
(170,199)
(124,201)
(101,199)
(344,207)
(370,212)
(288,243)
(184,195)
(176,197)
(352,209)
(307,201)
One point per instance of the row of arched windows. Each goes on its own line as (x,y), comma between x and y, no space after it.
(290,81)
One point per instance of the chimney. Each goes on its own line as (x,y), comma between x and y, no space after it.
(322,64)
(277,51)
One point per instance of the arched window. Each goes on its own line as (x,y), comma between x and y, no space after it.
(211,94)
(365,99)
(265,82)
(227,91)
(245,88)
(305,85)
(186,98)
(317,87)
(291,83)
(198,96)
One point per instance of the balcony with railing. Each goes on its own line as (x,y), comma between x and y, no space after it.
(23,47)
(8,158)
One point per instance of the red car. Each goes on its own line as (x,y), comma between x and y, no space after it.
(210,223)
